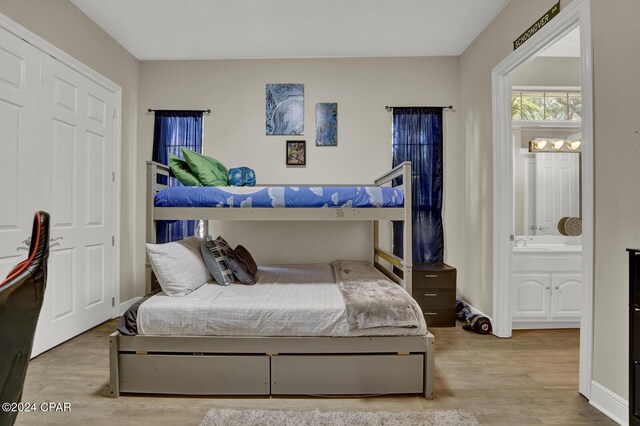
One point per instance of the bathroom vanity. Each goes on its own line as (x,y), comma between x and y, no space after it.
(546,284)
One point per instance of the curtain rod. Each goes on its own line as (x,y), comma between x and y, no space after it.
(389,108)
(204,111)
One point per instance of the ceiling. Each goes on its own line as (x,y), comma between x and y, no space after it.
(225,29)
(567,47)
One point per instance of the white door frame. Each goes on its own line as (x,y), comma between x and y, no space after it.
(577,13)
(48,48)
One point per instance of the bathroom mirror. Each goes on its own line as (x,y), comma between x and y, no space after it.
(546,184)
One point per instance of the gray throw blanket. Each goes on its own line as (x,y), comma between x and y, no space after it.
(371,299)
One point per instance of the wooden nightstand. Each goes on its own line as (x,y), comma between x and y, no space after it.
(434,288)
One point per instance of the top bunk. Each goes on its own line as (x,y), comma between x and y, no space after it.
(377,201)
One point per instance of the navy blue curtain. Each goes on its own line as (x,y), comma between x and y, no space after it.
(173,130)
(417,137)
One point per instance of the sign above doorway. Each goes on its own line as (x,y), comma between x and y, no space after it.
(544,20)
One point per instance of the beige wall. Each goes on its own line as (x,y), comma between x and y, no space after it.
(63,25)
(617,155)
(477,61)
(617,201)
(235,134)
(548,72)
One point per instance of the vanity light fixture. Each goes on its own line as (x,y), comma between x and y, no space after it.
(574,145)
(555,145)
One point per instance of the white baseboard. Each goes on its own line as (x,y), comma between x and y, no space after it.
(127,304)
(611,404)
(477,311)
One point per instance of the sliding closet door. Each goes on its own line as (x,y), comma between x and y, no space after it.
(76,147)
(19,172)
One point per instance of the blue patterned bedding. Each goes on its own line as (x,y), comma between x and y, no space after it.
(280,196)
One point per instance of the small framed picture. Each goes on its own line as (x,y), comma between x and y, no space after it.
(296,153)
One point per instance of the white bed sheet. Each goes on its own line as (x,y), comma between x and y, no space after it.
(287,300)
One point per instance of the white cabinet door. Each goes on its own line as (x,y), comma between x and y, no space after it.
(566,296)
(19,172)
(557,190)
(530,296)
(76,155)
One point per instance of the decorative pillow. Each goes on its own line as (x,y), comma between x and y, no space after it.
(242,265)
(242,176)
(182,172)
(178,266)
(215,254)
(210,172)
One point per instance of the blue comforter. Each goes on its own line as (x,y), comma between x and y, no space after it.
(280,196)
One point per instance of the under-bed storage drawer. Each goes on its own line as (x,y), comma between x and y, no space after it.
(346,374)
(195,375)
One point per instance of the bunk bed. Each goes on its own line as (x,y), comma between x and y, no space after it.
(278,365)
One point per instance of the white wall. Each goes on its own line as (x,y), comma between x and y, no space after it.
(617,200)
(63,25)
(235,134)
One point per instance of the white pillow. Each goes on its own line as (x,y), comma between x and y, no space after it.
(178,266)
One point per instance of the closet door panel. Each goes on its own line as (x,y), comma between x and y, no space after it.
(77,148)
(19,173)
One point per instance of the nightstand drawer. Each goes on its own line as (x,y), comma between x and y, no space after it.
(440,317)
(434,279)
(435,298)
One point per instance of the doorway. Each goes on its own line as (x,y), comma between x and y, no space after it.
(576,17)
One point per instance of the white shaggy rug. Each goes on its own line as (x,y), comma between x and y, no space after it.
(228,417)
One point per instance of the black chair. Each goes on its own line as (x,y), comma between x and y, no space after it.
(21,296)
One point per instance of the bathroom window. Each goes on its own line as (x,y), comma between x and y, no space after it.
(552,105)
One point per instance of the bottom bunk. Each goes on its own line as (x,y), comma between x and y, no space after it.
(220,365)
(319,329)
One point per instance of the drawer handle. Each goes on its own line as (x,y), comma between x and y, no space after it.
(431,313)
(431,275)
(431,294)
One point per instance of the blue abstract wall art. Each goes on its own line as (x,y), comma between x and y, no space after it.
(285,109)
(327,124)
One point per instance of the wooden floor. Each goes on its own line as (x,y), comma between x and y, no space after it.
(529,379)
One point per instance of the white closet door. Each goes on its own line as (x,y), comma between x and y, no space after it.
(76,152)
(19,174)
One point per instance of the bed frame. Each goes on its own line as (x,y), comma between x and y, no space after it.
(221,365)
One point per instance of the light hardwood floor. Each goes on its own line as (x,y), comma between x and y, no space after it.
(529,379)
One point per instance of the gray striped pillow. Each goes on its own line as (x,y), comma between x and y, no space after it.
(214,254)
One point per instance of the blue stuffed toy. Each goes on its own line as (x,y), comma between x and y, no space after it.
(242,176)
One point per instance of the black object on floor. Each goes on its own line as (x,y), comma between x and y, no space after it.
(472,322)
(21,296)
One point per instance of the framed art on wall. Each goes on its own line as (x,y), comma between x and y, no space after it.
(327,124)
(296,153)
(284,107)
